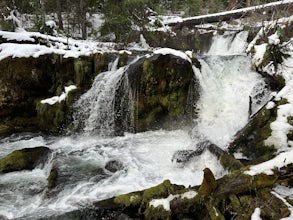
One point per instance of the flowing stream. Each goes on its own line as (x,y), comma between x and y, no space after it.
(143,159)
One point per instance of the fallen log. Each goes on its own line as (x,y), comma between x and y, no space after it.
(267,9)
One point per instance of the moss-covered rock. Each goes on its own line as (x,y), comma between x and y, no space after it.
(157,213)
(234,196)
(250,140)
(24,159)
(160,86)
(130,199)
(209,183)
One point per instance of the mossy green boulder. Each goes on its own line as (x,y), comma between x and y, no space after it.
(24,159)
(163,90)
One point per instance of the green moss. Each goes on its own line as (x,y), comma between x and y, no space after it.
(51,117)
(25,159)
(160,191)
(163,91)
(214,212)
(230,163)
(156,213)
(130,199)
(83,69)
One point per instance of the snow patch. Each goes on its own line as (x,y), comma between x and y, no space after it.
(165,51)
(280,127)
(256,214)
(259,53)
(166,202)
(62,97)
(274,39)
(270,105)
(281,160)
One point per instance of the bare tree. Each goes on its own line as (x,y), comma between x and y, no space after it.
(82,17)
(59,14)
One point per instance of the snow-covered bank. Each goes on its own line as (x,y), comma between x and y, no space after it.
(27,44)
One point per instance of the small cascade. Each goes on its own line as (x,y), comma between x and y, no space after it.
(230,90)
(113,66)
(228,44)
(94,111)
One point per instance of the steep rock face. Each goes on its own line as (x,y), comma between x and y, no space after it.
(26,81)
(162,88)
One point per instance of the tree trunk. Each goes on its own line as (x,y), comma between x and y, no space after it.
(232,4)
(82,18)
(59,14)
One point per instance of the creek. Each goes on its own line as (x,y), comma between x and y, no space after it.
(140,160)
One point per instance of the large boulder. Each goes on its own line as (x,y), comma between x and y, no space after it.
(24,159)
(163,91)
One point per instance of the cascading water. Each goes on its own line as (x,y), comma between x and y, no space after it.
(145,159)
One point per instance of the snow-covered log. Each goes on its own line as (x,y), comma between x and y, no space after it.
(271,8)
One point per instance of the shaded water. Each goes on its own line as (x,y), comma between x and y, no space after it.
(145,159)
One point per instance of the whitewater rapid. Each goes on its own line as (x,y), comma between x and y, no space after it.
(226,85)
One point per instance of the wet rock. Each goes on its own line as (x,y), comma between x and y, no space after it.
(250,140)
(114,166)
(24,159)
(52,178)
(160,89)
(89,214)
(209,183)
(226,160)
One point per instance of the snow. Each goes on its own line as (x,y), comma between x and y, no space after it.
(259,53)
(24,36)
(165,51)
(256,214)
(274,39)
(166,202)
(270,105)
(62,97)
(163,202)
(59,45)
(280,127)
(281,160)
(51,24)
(188,195)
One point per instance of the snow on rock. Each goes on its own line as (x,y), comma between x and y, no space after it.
(166,202)
(280,127)
(51,24)
(256,214)
(189,195)
(62,97)
(259,53)
(270,105)
(281,160)
(163,202)
(165,51)
(274,39)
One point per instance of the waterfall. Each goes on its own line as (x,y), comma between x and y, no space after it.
(228,85)
(228,44)
(94,111)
